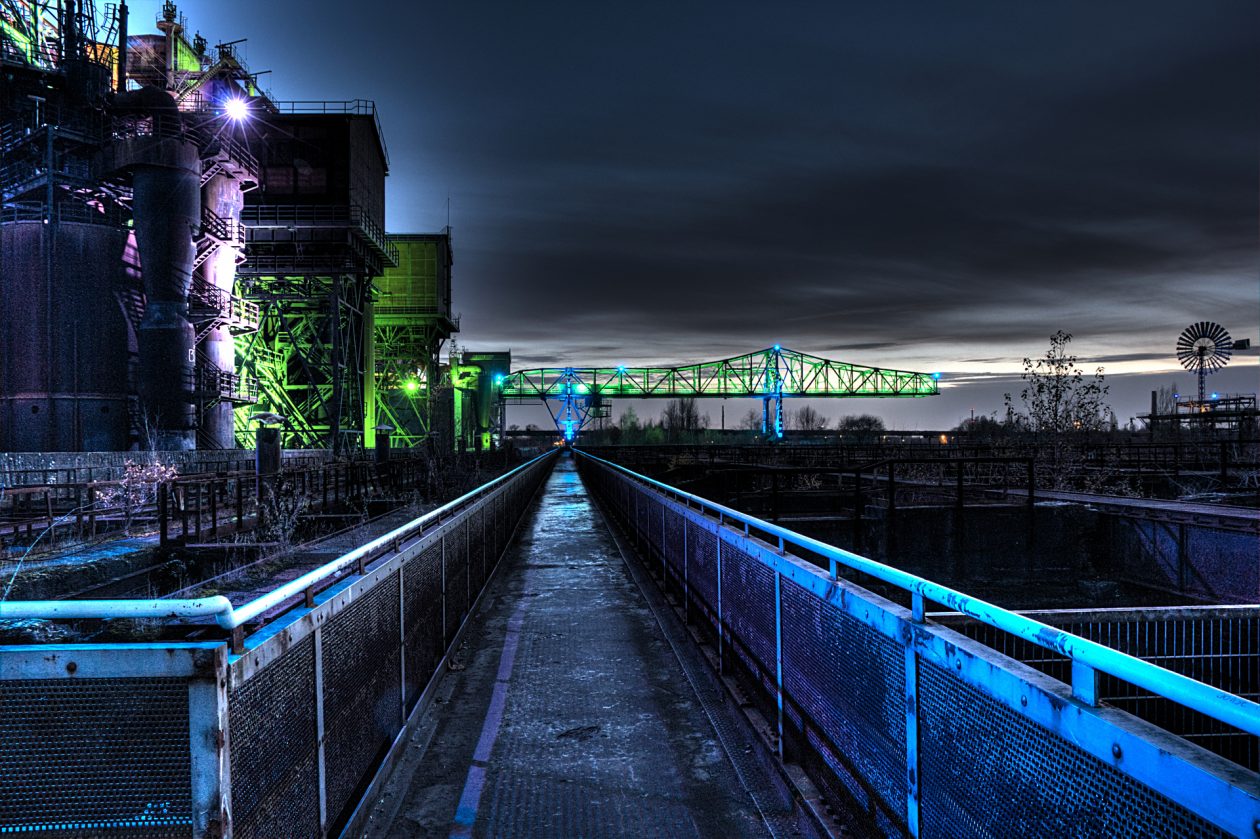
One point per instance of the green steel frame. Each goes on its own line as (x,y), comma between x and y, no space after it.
(770,374)
(410,320)
(308,358)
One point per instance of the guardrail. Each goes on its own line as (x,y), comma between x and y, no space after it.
(232,618)
(353,216)
(934,733)
(358,107)
(286,736)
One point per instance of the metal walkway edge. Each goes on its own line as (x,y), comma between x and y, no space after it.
(570,714)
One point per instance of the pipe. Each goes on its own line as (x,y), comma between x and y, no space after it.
(122,46)
(225,615)
(1218,704)
(65,609)
(268,601)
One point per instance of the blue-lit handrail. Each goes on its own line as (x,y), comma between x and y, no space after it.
(1214,702)
(225,614)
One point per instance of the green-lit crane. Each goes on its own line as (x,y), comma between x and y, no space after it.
(573,395)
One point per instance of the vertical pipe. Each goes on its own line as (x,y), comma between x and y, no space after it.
(122,46)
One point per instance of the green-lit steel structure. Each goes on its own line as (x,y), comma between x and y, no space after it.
(575,395)
(409,320)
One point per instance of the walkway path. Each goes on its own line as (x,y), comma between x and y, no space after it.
(572,716)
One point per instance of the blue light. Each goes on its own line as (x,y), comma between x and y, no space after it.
(936,376)
(621,368)
(777,348)
(1216,396)
(498,380)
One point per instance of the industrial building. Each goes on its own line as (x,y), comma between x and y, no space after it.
(189,252)
(903,634)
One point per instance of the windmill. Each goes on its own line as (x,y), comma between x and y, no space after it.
(1203,348)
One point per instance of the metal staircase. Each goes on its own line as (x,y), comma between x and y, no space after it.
(210,307)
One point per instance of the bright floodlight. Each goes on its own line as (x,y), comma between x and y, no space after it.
(236,109)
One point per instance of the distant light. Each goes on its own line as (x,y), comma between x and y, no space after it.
(411,386)
(777,348)
(1176,396)
(581,388)
(1216,396)
(621,368)
(936,376)
(236,109)
(498,380)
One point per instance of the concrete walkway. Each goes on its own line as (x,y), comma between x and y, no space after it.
(570,715)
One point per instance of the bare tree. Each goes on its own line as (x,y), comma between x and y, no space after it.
(806,418)
(1166,399)
(1060,407)
(137,490)
(860,424)
(682,416)
(1057,398)
(751,421)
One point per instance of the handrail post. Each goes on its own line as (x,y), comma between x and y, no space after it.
(1084,682)
(164,502)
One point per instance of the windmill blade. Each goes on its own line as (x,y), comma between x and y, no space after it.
(1204,346)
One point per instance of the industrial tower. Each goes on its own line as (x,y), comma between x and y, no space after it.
(187,252)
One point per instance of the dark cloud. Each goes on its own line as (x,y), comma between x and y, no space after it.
(904,184)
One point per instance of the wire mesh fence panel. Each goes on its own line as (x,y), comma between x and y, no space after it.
(1220,647)
(361,692)
(95,757)
(456,592)
(988,771)
(274,748)
(422,618)
(848,683)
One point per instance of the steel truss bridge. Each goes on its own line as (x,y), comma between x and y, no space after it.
(575,395)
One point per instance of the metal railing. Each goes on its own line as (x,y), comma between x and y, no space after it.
(229,617)
(354,107)
(66,211)
(353,216)
(283,737)
(922,724)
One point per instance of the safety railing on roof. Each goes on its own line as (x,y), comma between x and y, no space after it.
(323,215)
(356,107)
(936,734)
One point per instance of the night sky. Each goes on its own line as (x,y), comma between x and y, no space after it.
(930,186)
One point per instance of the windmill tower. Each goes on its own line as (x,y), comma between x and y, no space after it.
(1204,348)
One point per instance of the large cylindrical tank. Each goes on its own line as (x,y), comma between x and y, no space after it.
(222,195)
(166,204)
(63,347)
(165,166)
